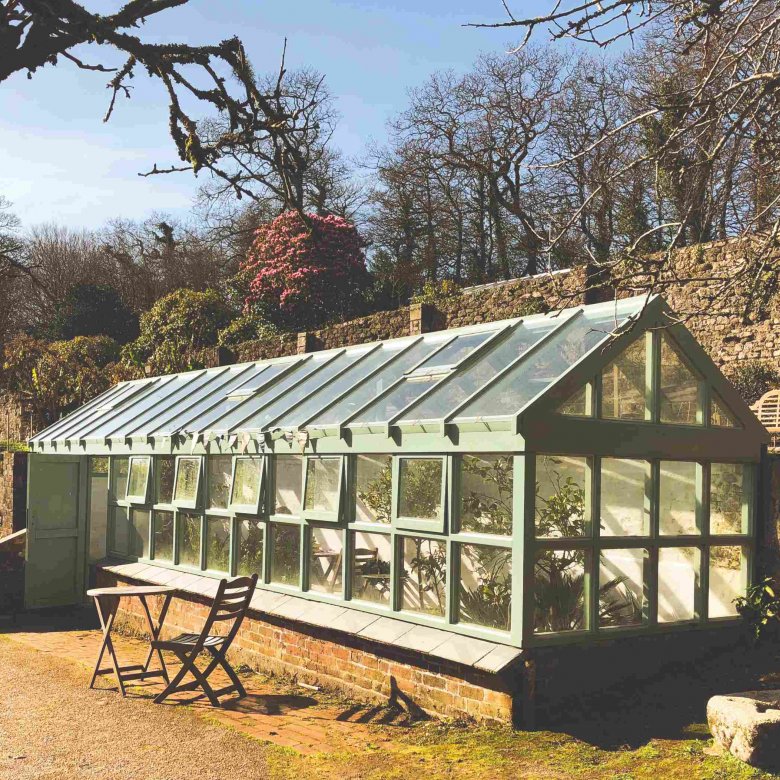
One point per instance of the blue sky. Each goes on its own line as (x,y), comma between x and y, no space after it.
(61,163)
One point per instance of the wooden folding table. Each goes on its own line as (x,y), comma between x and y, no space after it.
(107,602)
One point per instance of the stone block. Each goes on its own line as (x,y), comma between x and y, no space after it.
(748,726)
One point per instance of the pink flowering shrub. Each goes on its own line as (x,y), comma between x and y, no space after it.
(301,275)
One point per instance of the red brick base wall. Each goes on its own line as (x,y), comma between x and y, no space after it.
(369,671)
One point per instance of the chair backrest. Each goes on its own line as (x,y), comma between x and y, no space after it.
(767,409)
(366,555)
(231,603)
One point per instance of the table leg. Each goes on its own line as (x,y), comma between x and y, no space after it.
(106,623)
(154,632)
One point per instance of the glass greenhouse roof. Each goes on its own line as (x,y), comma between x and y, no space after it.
(482,372)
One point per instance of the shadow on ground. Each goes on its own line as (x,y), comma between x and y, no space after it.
(52,620)
(664,705)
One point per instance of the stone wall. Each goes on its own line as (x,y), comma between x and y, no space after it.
(718,324)
(13,492)
(367,670)
(17,421)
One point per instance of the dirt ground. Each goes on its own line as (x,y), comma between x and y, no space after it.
(53,727)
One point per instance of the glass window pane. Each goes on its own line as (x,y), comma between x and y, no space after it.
(119,469)
(562,496)
(622,587)
(486,494)
(120,536)
(577,336)
(138,479)
(420,487)
(677,510)
(98,466)
(323,484)
(189,539)
(287,488)
(246,489)
(423,578)
(678,578)
(485,586)
(98,509)
(679,387)
(285,554)
(139,521)
(625,507)
(623,384)
(375,384)
(728,580)
(730,498)
(325,555)
(219,469)
(166,468)
(373,488)
(559,590)
(371,555)
(251,533)
(719,415)
(577,405)
(163,536)
(218,543)
(187,476)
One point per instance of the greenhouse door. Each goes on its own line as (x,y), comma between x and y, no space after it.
(56,530)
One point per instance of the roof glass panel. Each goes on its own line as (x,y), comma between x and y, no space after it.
(116,392)
(155,402)
(135,418)
(377,383)
(350,378)
(458,349)
(312,383)
(571,342)
(388,406)
(237,397)
(257,380)
(187,385)
(105,414)
(242,412)
(454,391)
(188,416)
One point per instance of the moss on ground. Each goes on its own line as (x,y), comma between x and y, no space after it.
(436,751)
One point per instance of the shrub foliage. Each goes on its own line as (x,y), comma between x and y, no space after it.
(303,275)
(175,328)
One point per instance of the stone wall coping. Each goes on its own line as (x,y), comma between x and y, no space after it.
(468,651)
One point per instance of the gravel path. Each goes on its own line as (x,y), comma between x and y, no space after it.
(52,727)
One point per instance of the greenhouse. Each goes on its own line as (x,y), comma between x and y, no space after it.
(551,478)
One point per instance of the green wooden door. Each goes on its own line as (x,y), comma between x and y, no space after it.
(56,530)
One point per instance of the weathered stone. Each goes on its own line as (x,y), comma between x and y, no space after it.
(748,725)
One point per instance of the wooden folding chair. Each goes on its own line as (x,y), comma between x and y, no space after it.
(230,604)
